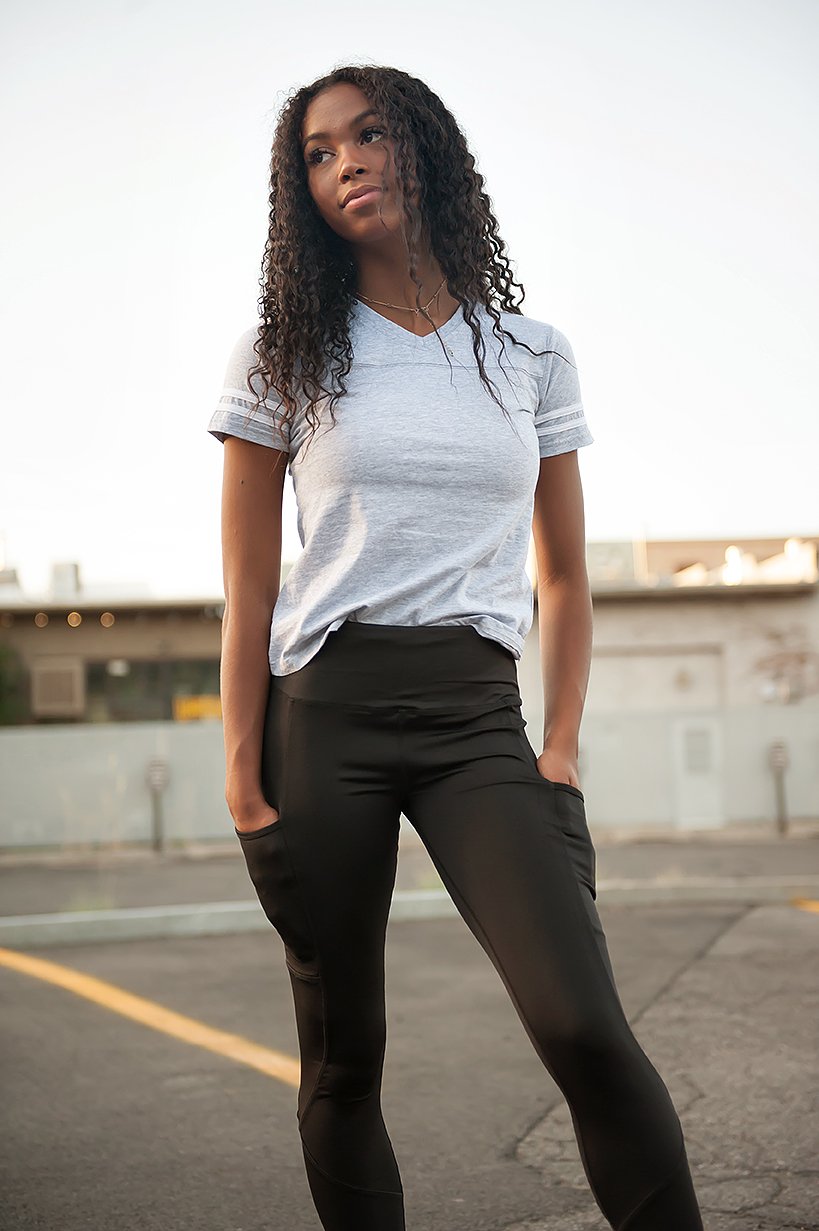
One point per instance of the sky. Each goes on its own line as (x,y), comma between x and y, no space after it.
(654,169)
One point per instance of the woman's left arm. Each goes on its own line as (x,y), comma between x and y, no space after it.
(564,612)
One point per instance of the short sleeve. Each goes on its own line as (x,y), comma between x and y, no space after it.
(560,419)
(236,413)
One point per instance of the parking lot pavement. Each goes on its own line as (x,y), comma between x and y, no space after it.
(629,868)
(109,1121)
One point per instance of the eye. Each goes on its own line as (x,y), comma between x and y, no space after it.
(313,156)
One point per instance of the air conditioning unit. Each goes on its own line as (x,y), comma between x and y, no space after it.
(57,687)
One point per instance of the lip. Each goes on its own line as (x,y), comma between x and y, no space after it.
(358,194)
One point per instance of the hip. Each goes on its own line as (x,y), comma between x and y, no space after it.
(431,668)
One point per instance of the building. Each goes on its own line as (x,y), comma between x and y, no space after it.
(74,656)
(702,708)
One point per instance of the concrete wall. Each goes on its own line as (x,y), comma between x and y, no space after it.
(685,696)
(67,785)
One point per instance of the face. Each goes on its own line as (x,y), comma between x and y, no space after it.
(346,149)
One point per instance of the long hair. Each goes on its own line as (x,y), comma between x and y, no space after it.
(308,277)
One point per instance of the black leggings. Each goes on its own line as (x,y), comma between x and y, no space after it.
(426,720)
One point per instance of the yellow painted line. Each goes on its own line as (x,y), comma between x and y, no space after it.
(806,904)
(264,1059)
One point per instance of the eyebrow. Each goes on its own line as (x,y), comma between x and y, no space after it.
(325,136)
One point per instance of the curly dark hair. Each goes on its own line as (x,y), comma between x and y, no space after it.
(308,277)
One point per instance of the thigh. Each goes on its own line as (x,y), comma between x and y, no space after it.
(329,861)
(515,852)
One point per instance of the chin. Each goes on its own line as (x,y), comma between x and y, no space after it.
(371,229)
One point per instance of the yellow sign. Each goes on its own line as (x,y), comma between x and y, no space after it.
(192,709)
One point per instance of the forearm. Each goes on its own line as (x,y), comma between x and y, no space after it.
(244,685)
(565,629)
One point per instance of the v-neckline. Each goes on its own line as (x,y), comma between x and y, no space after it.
(414,341)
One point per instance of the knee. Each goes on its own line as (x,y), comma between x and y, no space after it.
(591,1046)
(356,1071)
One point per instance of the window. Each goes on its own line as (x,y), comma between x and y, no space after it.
(133,690)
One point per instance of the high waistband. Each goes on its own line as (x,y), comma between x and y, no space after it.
(431,667)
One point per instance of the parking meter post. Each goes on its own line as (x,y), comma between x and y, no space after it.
(157,777)
(781,808)
(778,760)
(157,826)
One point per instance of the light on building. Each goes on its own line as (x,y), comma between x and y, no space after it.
(41,619)
(732,568)
(107,619)
(801,559)
(74,619)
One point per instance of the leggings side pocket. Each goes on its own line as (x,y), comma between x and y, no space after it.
(271,872)
(571,812)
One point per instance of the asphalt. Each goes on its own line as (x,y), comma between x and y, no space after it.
(65,897)
(107,1121)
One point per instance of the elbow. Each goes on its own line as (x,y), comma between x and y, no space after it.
(573,577)
(248,607)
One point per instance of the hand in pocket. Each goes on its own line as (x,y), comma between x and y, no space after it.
(247,819)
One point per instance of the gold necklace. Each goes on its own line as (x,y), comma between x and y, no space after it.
(381,303)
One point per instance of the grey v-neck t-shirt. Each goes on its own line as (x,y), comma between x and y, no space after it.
(416,507)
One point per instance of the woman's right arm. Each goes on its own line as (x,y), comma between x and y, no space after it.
(252,490)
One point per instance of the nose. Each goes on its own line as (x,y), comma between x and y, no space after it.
(350,164)
(352,173)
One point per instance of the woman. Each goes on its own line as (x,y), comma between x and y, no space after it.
(428,427)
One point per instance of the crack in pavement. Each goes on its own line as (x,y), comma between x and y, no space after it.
(751,1137)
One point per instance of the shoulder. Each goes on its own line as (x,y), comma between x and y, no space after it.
(537,334)
(244,359)
(242,352)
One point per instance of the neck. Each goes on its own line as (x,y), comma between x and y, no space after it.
(383,274)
